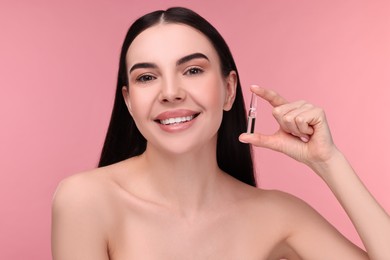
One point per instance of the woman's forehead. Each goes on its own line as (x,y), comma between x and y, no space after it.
(169,41)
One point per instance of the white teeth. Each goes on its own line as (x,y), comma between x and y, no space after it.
(176,120)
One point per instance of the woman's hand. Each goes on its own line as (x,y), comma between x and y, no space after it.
(303,134)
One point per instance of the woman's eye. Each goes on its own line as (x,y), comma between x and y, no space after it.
(193,71)
(145,78)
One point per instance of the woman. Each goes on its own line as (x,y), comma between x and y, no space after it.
(176,178)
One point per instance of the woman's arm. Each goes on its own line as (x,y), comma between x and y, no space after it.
(305,136)
(369,218)
(77,223)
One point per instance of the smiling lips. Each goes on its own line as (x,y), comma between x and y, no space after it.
(176,120)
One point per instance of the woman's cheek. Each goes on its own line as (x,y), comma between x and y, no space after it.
(140,105)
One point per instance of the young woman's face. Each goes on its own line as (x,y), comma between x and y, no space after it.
(176,92)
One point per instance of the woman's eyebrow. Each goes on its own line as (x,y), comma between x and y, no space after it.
(187,58)
(143,65)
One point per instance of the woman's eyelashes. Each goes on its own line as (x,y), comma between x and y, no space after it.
(147,77)
(193,71)
(144,78)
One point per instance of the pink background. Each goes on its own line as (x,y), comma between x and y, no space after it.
(58,63)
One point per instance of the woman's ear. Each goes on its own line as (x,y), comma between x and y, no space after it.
(126,97)
(231,87)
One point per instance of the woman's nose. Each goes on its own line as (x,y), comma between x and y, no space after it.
(171,91)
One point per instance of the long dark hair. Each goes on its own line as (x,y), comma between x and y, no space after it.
(123,139)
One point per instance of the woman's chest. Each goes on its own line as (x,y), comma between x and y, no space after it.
(148,236)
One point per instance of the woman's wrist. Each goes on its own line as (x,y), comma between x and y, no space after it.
(332,165)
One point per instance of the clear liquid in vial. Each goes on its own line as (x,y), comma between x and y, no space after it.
(251,125)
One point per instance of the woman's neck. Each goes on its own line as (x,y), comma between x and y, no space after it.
(186,182)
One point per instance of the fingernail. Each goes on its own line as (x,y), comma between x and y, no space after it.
(242,141)
(304,139)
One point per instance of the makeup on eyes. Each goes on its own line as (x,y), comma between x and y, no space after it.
(252,114)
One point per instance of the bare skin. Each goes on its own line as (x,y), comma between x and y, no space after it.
(114,219)
(173,202)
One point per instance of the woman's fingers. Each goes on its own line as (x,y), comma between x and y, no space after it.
(287,114)
(259,140)
(294,118)
(269,95)
(303,134)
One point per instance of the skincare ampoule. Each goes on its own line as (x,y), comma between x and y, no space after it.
(252,114)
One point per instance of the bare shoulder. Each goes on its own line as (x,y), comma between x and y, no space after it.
(82,216)
(284,211)
(284,203)
(94,192)
(279,202)
(81,199)
(298,224)
(91,187)
(289,224)
(81,188)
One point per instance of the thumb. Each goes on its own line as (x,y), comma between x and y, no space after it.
(259,140)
